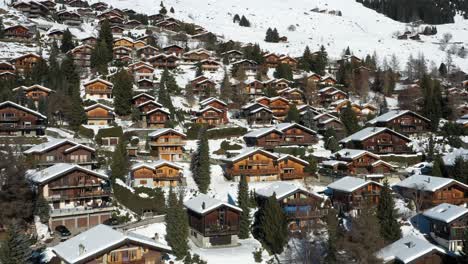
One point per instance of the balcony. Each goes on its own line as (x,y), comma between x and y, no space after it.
(222,230)
(293,175)
(307,214)
(167,143)
(13,127)
(74,185)
(80,210)
(258,162)
(9,118)
(252,172)
(100,117)
(75,196)
(92,91)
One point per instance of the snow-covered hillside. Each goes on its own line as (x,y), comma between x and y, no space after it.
(363,29)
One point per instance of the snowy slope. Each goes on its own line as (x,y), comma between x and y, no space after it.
(363,29)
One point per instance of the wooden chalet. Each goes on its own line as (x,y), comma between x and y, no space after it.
(232,55)
(413,250)
(82,55)
(271,60)
(254,88)
(143,71)
(260,165)
(357,162)
(98,89)
(428,191)
(196,55)
(285,59)
(142,98)
(55,34)
(405,122)
(49,4)
(78,3)
(167,144)
(378,140)
(103,244)
(70,18)
(283,134)
(146,52)
(6,67)
(326,121)
(91,41)
(163,61)
(247,65)
(157,118)
(17,120)
(99,6)
(258,114)
(25,62)
(123,42)
(32,9)
(278,105)
(131,24)
(34,92)
(202,86)
(147,106)
(145,85)
(212,223)
(277,84)
(209,65)
(213,112)
(168,25)
(80,197)
(120,52)
(448,224)
(301,207)
(350,193)
(99,114)
(61,151)
(117,30)
(17,32)
(294,95)
(330,94)
(174,50)
(161,173)
(327,80)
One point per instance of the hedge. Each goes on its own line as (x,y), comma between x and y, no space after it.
(298,152)
(137,204)
(408,160)
(109,132)
(86,132)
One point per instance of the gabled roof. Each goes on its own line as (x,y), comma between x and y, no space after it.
(98,80)
(210,108)
(261,132)
(446,212)
(427,183)
(285,126)
(26,55)
(108,108)
(143,94)
(281,190)
(392,114)
(250,151)
(162,131)
(52,143)
(353,154)
(203,204)
(57,170)
(368,132)
(210,100)
(407,249)
(149,102)
(349,184)
(32,87)
(10,103)
(159,109)
(98,240)
(154,165)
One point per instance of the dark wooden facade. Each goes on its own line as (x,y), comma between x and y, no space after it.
(20,121)
(222,221)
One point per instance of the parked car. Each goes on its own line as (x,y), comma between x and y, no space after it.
(63,232)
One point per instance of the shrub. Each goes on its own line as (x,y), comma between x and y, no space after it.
(109,132)
(86,132)
(137,204)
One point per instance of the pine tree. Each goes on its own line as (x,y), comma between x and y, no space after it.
(163,10)
(293,115)
(236,18)
(119,163)
(39,72)
(67,41)
(42,209)
(321,62)
(438,167)
(105,34)
(16,247)
(275,36)
(244,203)
(100,57)
(283,70)
(165,99)
(177,225)
(76,115)
(271,226)
(460,170)
(244,22)
(331,141)
(226,88)
(71,76)
(199,71)
(268,36)
(332,227)
(349,119)
(123,84)
(388,216)
(203,170)
(2,28)
(443,70)
(172,10)
(171,85)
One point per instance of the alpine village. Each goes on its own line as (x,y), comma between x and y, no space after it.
(141,137)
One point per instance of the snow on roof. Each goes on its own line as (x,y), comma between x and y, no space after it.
(98,105)
(407,249)
(392,114)
(368,132)
(349,184)
(353,153)
(51,144)
(426,183)
(143,94)
(280,189)
(249,151)
(22,108)
(40,87)
(160,109)
(161,131)
(98,80)
(333,163)
(261,131)
(155,164)
(203,203)
(149,102)
(96,240)
(210,100)
(446,212)
(49,173)
(210,108)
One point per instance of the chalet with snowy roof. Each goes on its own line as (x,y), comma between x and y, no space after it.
(167,144)
(358,162)
(49,4)
(349,59)
(32,9)
(196,55)
(327,80)
(80,197)
(278,105)
(70,18)
(78,3)
(213,112)
(378,140)
(98,89)
(99,6)
(25,62)
(137,44)
(258,165)
(277,84)
(202,86)
(17,120)
(99,114)
(173,49)
(232,55)
(448,224)
(301,207)
(120,52)
(142,98)
(164,61)
(402,121)
(123,42)
(253,87)
(247,65)
(350,193)
(6,67)
(286,59)
(428,191)
(212,223)
(330,94)
(412,250)
(55,34)
(328,121)
(271,60)
(168,25)
(146,52)
(161,173)
(103,244)
(131,24)
(258,114)
(209,65)
(89,41)
(34,92)
(157,118)
(294,95)
(463,121)
(17,32)
(283,134)
(147,106)
(82,55)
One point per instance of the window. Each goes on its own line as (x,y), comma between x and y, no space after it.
(143,182)
(50,158)
(113,257)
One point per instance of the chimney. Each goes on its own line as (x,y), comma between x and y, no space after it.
(410,244)
(156,236)
(203,205)
(81,249)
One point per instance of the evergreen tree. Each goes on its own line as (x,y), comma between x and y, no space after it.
(438,167)
(443,70)
(349,119)
(283,70)
(226,88)
(2,28)
(236,18)
(293,115)
(39,72)
(169,81)
(71,84)
(119,163)
(306,60)
(76,114)
(163,10)
(270,226)
(67,41)
(105,35)
(42,209)
(432,101)
(460,170)
(387,215)
(203,170)
(172,10)
(165,99)
(122,91)
(332,227)
(244,203)
(268,37)
(199,71)
(321,62)
(177,225)
(16,247)
(244,22)
(331,141)
(100,57)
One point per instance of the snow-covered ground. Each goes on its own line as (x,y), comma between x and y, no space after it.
(360,28)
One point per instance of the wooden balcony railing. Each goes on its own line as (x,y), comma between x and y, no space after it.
(293,175)
(168,143)
(258,162)
(95,194)
(222,230)
(258,172)
(301,214)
